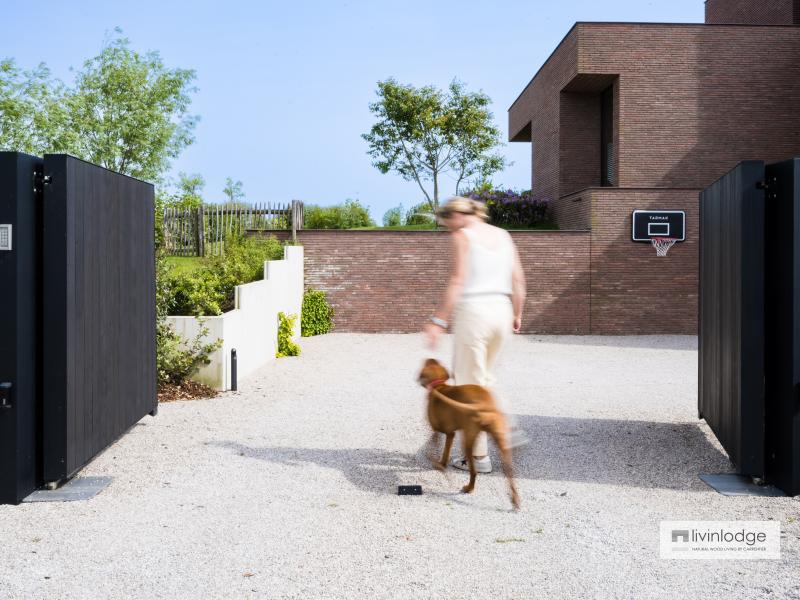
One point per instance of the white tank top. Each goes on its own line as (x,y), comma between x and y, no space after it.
(489,270)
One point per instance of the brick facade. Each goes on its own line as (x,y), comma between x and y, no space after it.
(391,281)
(544,130)
(691,102)
(633,291)
(747,12)
(579,140)
(573,212)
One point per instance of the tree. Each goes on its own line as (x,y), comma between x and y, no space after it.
(126,112)
(233,190)
(421,214)
(423,133)
(393,217)
(189,189)
(23,97)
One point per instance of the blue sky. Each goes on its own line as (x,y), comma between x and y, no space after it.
(283,87)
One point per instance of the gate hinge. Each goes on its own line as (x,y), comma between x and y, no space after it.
(764,185)
(40,180)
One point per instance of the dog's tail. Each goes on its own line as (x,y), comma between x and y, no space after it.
(471,408)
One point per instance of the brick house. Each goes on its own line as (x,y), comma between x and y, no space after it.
(622,116)
(626,116)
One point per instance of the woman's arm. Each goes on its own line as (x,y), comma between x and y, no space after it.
(517,290)
(458,273)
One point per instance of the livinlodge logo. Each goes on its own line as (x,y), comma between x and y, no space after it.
(737,540)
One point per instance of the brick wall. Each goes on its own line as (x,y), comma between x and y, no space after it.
(573,211)
(578,282)
(391,281)
(696,100)
(692,101)
(541,99)
(750,12)
(579,141)
(633,290)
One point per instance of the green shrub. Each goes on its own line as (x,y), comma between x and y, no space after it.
(286,346)
(316,316)
(349,215)
(177,359)
(393,217)
(210,289)
(421,214)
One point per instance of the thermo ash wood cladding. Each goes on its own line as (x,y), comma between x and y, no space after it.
(98,312)
(20,297)
(731,377)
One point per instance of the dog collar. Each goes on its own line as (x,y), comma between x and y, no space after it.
(435,382)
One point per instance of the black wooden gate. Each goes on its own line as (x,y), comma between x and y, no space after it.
(20,390)
(731,324)
(749,360)
(782,379)
(99,310)
(87,373)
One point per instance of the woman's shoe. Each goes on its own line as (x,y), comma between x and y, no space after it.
(482,465)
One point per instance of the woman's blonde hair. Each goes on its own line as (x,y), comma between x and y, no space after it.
(466,206)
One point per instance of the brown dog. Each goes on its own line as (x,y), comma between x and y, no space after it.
(469,408)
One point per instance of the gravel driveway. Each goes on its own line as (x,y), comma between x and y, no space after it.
(287,489)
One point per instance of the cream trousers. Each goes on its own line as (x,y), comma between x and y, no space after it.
(480,328)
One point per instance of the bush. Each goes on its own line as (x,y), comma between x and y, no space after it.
(421,214)
(177,359)
(393,217)
(513,209)
(210,290)
(316,316)
(286,346)
(349,215)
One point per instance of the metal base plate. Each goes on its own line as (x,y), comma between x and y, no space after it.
(731,484)
(80,488)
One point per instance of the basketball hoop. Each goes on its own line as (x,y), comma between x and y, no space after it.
(662,244)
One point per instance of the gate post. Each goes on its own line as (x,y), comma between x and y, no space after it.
(294,221)
(201,232)
(21,179)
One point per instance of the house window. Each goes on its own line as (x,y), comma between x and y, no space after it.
(608,155)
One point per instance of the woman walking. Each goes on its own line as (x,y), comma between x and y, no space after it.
(482,304)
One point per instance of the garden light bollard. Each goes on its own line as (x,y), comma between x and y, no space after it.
(234,385)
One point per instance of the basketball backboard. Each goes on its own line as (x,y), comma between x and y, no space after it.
(649,224)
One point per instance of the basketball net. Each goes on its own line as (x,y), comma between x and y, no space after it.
(662,245)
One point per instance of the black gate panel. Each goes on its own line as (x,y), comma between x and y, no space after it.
(20,406)
(731,320)
(783,325)
(98,312)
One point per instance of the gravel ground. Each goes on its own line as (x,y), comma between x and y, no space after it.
(287,489)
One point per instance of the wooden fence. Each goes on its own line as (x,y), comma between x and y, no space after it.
(202,231)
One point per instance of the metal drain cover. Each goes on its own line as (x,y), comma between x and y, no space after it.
(80,488)
(731,484)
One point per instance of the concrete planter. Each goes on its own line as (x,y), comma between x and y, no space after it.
(252,327)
